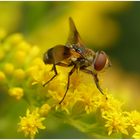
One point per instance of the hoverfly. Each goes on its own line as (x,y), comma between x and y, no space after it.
(75,54)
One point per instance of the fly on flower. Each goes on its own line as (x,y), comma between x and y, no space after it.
(75,54)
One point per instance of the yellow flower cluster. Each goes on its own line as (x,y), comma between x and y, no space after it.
(31,123)
(24,73)
(84,93)
(15,56)
(16,92)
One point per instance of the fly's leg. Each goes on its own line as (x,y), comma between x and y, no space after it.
(55,74)
(68,84)
(95,78)
(64,64)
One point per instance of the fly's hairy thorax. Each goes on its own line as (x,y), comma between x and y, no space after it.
(86,59)
(89,55)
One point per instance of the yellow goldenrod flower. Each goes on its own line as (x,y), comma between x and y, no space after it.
(115,122)
(34,51)
(16,92)
(134,118)
(89,96)
(30,123)
(65,105)
(15,39)
(45,108)
(9,68)
(19,74)
(39,72)
(23,46)
(111,104)
(2,76)
(20,57)
(137,133)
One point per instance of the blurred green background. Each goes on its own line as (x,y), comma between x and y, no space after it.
(110,26)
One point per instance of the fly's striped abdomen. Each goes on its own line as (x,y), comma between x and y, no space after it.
(56,54)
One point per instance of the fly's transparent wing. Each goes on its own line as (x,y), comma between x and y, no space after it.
(74,37)
(74,41)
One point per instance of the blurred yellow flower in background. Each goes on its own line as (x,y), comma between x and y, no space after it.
(16,92)
(2,76)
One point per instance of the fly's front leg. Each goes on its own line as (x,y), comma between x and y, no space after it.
(55,74)
(55,71)
(95,78)
(68,84)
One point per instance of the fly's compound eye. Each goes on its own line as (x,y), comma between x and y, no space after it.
(100,61)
